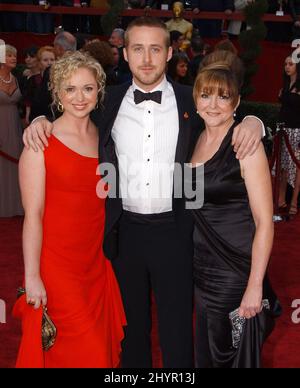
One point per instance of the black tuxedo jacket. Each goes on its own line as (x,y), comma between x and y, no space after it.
(190,126)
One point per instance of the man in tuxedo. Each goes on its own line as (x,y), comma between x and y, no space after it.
(145,124)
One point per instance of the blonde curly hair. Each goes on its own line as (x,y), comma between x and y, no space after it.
(67,65)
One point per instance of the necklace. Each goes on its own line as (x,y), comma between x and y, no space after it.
(6,82)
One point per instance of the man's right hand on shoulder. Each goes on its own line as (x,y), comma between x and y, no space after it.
(35,136)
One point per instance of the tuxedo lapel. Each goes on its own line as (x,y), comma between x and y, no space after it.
(112,106)
(184,115)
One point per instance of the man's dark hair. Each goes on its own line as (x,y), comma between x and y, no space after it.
(197,44)
(175,35)
(147,21)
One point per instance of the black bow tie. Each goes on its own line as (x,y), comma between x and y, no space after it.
(140,96)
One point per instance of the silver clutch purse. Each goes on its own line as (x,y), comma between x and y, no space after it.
(238,323)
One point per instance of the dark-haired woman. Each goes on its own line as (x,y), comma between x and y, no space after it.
(289,114)
(233,233)
(178,69)
(31,61)
(31,70)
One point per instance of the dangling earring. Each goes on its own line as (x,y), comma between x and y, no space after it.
(234,115)
(97,105)
(60,107)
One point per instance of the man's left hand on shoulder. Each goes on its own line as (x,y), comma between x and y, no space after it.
(247,137)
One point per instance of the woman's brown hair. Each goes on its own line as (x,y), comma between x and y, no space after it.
(217,78)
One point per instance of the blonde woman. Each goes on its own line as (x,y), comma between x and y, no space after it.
(10,136)
(65,268)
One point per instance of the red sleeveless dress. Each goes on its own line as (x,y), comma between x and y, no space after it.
(84,300)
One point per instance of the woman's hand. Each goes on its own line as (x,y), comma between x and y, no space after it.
(35,292)
(251,302)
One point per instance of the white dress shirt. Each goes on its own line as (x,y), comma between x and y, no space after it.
(145,137)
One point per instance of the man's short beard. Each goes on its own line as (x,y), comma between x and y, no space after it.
(152,81)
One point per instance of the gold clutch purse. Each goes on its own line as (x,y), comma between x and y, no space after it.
(49,331)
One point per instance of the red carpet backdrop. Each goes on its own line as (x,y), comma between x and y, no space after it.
(281,350)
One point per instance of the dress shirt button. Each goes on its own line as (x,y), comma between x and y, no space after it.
(148,184)
(149,136)
(148,160)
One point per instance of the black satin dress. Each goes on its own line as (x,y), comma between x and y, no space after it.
(223,238)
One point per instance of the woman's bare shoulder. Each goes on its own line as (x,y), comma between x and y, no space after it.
(29,156)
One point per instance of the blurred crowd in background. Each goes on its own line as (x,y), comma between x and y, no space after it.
(46,22)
